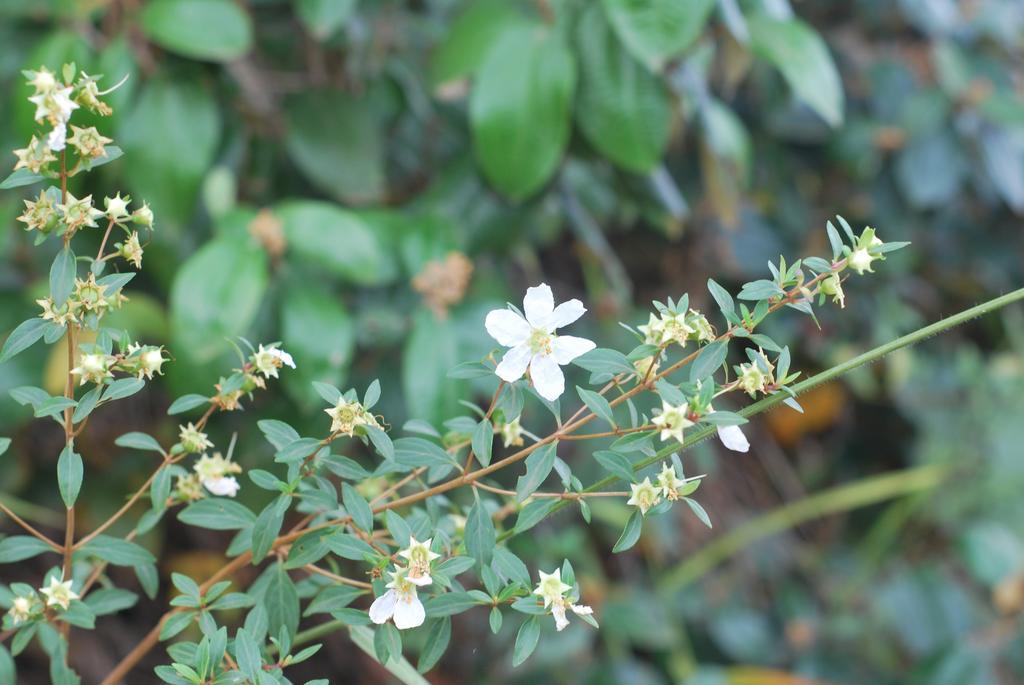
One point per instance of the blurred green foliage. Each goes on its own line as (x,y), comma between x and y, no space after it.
(307,160)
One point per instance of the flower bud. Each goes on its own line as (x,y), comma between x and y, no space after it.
(94,368)
(117,207)
(143,216)
(193,440)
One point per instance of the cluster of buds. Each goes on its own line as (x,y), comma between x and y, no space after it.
(138,360)
(667,485)
(866,250)
(88,302)
(27,605)
(672,420)
(676,327)
(552,589)
(55,99)
(348,415)
(401,602)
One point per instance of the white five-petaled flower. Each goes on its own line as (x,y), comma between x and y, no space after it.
(552,590)
(419,556)
(59,594)
(733,438)
(533,341)
(268,360)
(644,495)
(672,421)
(400,602)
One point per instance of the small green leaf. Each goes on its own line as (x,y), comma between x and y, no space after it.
(357,507)
(597,404)
(139,441)
(20,547)
(439,635)
(480,535)
(630,534)
(538,466)
(69,475)
(483,441)
(526,640)
(23,337)
(62,276)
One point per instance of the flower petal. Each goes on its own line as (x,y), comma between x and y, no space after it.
(383,607)
(558,611)
(565,348)
(733,438)
(565,314)
(420,581)
(538,304)
(409,612)
(513,364)
(507,327)
(547,377)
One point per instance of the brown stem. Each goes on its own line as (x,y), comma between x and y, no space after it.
(151,638)
(336,578)
(29,528)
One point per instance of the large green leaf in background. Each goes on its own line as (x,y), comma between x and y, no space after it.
(656,30)
(337,240)
(335,139)
(623,109)
(215,295)
(471,37)
(323,17)
(800,54)
(319,333)
(430,352)
(169,140)
(215,30)
(520,109)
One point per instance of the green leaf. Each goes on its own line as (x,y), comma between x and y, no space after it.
(325,126)
(323,234)
(538,466)
(117,551)
(23,337)
(247,654)
(397,666)
(214,30)
(483,441)
(631,533)
(267,526)
(471,37)
(69,475)
(217,514)
(5,444)
(480,535)
(62,275)
(431,349)
(357,507)
(526,640)
(318,331)
(110,600)
(710,358)
(333,598)
(623,110)
(281,600)
(349,546)
(722,297)
(533,513)
(168,175)
(186,403)
(616,464)
(215,295)
(520,108)
(21,177)
(657,30)
(139,441)
(438,637)
(86,404)
(597,404)
(323,18)
(20,547)
(801,55)
(449,604)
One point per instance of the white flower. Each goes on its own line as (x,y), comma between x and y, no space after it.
(21,609)
(672,420)
(58,137)
(400,603)
(225,486)
(419,556)
(93,368)
(117,207)
(268,360)
(644,495)
(347,416)
(59,594)
(213,473)
(670,483)
(552,590)
(534,343)
(733,438)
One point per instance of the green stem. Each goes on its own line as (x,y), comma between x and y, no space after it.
(842,498)
(819,379)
